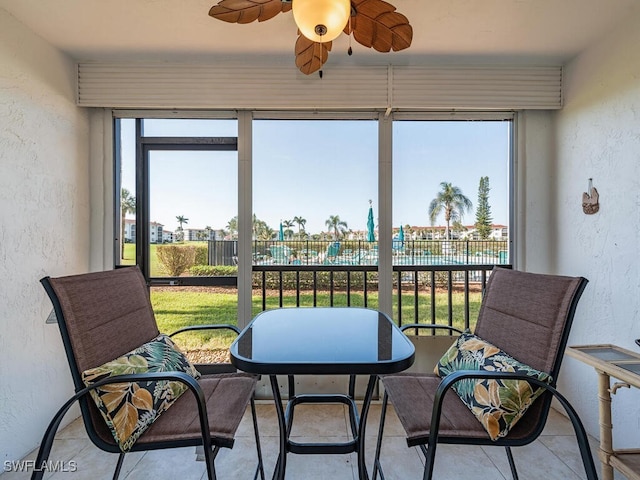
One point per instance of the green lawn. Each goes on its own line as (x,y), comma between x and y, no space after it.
(130,258)
(180,307)
(176,308)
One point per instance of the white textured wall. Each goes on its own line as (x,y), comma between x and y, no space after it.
(44,227)
(598,136)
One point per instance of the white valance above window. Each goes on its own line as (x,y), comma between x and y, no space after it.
(280,87)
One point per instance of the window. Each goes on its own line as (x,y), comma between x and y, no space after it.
(451,191)
(314,197)
(178,193)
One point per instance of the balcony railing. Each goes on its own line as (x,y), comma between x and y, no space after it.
(444,294)
(433,281)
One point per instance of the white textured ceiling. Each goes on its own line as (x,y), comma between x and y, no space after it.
(540,31)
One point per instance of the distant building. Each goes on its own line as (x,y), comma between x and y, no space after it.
(168,236)
(129,230)
(195,234)
(157,234)
(498,232)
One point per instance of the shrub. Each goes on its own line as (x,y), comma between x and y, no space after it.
(322,280)
(214,271)
(176,259)
(441,279)
(202,255)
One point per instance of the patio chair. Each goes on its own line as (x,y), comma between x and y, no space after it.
(281,254)
(523,315)
(106,319)
(331,255)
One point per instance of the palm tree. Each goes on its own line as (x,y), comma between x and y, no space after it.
(259,226)
(232,226)
(452,202)
(265,232)
(301,222)
(181,219)
(127,205)
(338,226)
(287,224)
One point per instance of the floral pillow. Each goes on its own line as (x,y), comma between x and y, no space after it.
(498,404)
(130,408)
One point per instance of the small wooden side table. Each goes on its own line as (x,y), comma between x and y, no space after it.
(624,366)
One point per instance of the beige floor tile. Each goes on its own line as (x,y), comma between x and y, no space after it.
(557,424)
(399,462)
(321,467)
(93,463)
(267,421)
(392,425)
(241,461)
(173,463)
(566,449)
(74,430)
(464,461)
(15,471)
(554,456)
(534,462)
(319,420)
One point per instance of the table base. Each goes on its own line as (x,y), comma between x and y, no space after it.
(357,423)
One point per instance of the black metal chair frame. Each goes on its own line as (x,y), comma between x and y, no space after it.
(82,392)
(217,368)
(429,449)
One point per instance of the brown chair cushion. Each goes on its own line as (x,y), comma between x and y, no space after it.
(497,403)
(129,408)
(412,396)
(224,395)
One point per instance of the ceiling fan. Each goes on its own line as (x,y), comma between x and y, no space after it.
(373,23)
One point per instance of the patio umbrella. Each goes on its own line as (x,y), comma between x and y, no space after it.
(370,235)
(401,236)
(281,233)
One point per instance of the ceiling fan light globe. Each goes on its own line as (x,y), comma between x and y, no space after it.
(312,16)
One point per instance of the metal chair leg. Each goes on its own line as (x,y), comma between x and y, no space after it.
(210,455)
(430,458)
(512,465)
(260,467)
(376,459)
(116,474)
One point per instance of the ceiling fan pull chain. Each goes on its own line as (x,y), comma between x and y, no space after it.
(319,46)
(350,50)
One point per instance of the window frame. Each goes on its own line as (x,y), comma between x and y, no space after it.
(244,145)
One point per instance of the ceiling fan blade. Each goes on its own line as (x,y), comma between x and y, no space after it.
(310,55)
(247,11)
(377,25)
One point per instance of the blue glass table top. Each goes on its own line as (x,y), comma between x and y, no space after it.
(318,340)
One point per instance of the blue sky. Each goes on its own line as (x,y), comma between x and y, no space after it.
(315,169)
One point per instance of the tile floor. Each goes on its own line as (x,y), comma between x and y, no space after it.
(553,456)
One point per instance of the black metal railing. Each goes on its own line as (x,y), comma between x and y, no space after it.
(445,294)
(440,284)
(434,281)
